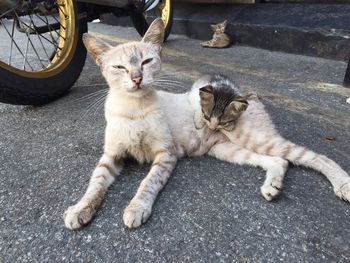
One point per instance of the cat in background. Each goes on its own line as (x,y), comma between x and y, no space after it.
(220,38)
(253,137)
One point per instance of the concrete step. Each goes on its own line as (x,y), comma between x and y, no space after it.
(321,30)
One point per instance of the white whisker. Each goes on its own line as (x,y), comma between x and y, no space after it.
(160,85)
(91,95)
(91,85)
(162,74)
(96,103)
(169,80)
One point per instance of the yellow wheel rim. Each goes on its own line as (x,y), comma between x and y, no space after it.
(164,7)
(63,50)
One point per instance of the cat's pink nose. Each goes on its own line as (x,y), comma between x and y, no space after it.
(137,80)
(213,124)
(213,127)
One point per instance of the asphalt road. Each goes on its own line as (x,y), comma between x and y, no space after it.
(210,211)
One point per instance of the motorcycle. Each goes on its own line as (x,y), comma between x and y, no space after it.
(42,42)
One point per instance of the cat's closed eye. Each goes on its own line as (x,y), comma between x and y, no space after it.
(206,117)
(146,61)
(120,67)
(226,123)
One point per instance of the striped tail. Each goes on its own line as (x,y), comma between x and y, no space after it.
(300,155)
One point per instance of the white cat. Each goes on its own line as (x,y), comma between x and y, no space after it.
(150,126)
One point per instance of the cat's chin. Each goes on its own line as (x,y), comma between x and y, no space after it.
(137,88)
(138,91)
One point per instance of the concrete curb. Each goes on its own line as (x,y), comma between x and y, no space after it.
(321,30)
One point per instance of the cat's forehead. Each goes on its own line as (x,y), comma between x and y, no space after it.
(220,81)
(131,53)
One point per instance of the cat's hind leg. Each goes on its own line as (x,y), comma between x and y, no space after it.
(208,43)
(140,207)
(102,177)
(275,167)
(300,155)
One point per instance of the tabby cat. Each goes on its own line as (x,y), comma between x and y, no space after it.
(253,137)
(220,38)
(160,127)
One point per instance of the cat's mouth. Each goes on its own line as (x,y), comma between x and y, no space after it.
(137,87)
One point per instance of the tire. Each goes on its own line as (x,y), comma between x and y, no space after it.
(141,24)
(23,87)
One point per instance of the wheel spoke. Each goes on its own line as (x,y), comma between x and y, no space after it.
(48,22)
(30,41)
(57,21)
(53,42)
(11,47)
(41,42)
(7,12)
(35,51)
(48,40)
(12,40)
(50,31)
(61,26)
(26,52)
(65,15)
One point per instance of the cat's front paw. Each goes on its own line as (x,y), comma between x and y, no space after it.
(271,189)
(77,216)
(343,192)
(136,214)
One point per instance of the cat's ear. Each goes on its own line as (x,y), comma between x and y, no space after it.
(206,99)
(96,47)
(155,33)
(239,104)
(206,95)
(224,24)
(206,90)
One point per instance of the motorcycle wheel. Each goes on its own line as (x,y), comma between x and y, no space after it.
(164,10)
(41,66)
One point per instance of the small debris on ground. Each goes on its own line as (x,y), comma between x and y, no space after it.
(330,138)
(348,100)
